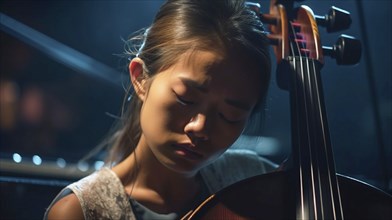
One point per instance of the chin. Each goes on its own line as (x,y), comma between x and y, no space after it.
(188,170)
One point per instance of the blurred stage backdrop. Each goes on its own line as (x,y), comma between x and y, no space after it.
(62,76)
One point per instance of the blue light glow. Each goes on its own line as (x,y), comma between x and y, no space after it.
(98,164)
(37,160)
(17,158)
(83,166)
(61,162)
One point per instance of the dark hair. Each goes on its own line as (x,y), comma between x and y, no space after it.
(180,26)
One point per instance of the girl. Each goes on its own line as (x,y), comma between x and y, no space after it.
(199,76)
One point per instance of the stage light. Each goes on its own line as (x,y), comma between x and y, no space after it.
(37,160)
(17,158)
(61,162)
(98,164)
(83,166)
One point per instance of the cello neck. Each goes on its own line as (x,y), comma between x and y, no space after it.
(314,169)
(318,196)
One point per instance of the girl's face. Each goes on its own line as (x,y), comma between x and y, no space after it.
(193,111)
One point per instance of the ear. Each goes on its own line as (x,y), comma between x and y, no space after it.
(137,79)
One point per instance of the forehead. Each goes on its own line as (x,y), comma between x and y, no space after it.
(230,74)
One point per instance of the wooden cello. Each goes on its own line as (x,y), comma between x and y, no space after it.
(310,188)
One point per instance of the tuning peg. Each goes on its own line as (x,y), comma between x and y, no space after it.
(346,51)
(336,20)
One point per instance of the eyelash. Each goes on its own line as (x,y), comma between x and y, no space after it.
(227,120)
(182,101)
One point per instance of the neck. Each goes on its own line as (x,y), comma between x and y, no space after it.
(152,184)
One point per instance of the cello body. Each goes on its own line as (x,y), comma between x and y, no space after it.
(271,196)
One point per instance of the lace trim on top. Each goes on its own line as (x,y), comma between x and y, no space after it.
(103,190)
(102,195)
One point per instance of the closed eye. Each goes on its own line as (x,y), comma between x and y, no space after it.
(230,121)
(182,101)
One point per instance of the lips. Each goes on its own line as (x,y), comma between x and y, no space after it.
(187,150)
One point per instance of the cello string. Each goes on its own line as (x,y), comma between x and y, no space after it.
(304,88)
(299,154)
(321,136)
(332,178)
(313,137)
(299,76)
(320,139)
(316,135)
(308,95)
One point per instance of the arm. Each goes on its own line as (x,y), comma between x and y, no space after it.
(67,207)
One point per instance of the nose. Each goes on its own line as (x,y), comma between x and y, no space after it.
(197,127)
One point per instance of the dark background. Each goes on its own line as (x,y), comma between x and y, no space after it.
(59,112)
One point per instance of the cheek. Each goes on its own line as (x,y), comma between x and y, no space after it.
(222,140)
(152,117)
(160,115)
(225,135)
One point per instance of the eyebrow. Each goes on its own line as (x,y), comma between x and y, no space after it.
(235,103)
(194,84)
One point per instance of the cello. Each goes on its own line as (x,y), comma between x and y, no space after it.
(309,188)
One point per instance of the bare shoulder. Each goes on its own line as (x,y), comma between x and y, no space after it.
(67,207)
